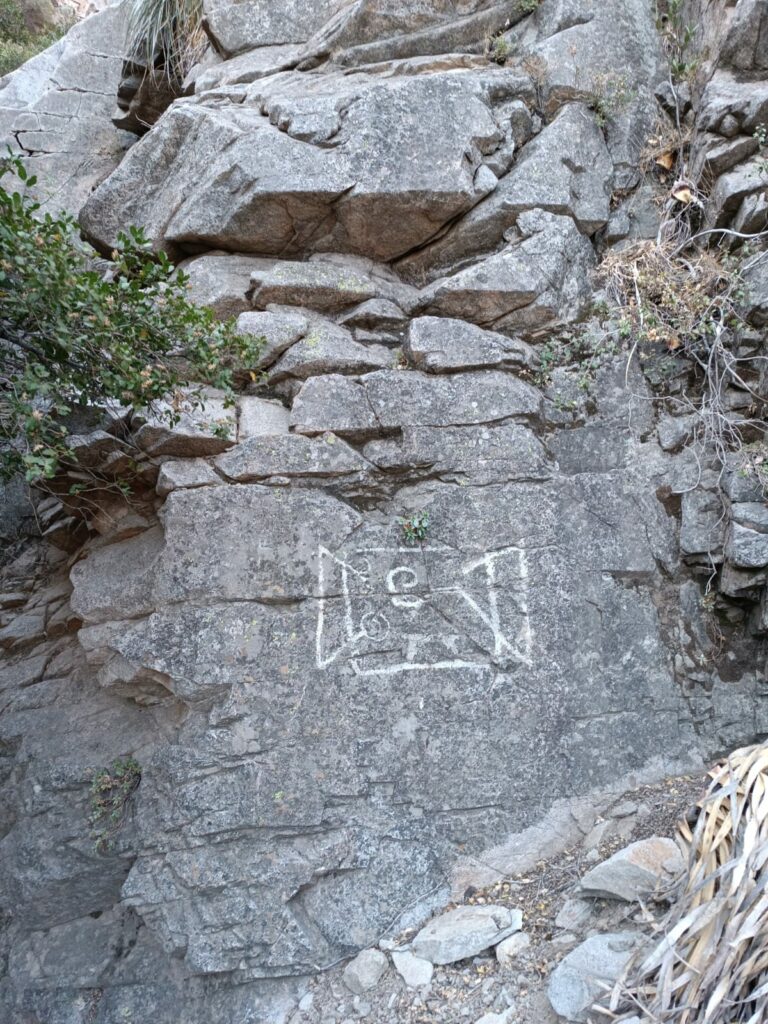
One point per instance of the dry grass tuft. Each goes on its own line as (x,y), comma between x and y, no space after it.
(711,965)
(684,302)
(167,36)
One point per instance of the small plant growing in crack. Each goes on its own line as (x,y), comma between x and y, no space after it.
(760,135)
(415,527)
(610,95)
(498,50)
(111,789)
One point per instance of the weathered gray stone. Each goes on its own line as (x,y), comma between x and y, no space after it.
(249,24)
(379,30)
(485,454)
(640,869)
(534,282)
(746,45)
(753,514)
(184,473)
(327,348)
(414,970)
(398,398)
(732,189)
(638,216)
(375,313)
(746,548)
(566,169)
(612,58)
(508,950)
(279,329)
(727,97)
(752,215)
(246,185)
(290,455)
(405,398)
(326,287)
(714,156)
(676,431)
(222,280)
(78,953)
(333,403)
(56,111)
(258,417)
(756,280)
(248,67)
(702,524)
(581,977)
(92,450)
(365,971)
(23,630)
(334,725)
(205,425)
(465,931)
(574,914)
(441,344)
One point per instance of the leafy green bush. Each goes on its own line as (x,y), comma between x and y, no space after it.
(18,43)
(72,336)
(111,789)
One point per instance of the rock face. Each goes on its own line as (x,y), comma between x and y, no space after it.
(55,110)
(336,719)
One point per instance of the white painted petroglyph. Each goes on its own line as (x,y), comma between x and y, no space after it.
(383,619)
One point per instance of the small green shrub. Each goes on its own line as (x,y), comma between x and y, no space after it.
(415,527)
(73,337)
(582,350)
(761,137)
(17,43)
(678,37)
(611,93)
(111,789)
(498,50)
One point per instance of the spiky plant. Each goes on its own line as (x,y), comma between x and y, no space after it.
(166,36)
(711,965)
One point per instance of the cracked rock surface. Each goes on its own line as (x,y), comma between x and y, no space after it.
(341,726)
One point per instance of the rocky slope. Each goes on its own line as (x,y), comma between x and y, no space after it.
(337,728)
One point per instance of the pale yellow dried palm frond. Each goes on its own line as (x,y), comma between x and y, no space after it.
(166,35)
(711,965)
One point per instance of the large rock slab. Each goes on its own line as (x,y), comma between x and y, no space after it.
(222,280)
(483,454)
(251,24)
(379,30)
(566,169)
(56,111)
(746,45)
(322,595)
(374,182)
(401,398)
(288,456)
(729,106)
(537,280)
(191,425)
(328,348)
(325,287)
(440,344)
